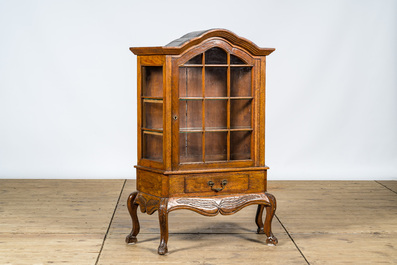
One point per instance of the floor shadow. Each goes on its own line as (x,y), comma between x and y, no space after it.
(218,228)
(199,236)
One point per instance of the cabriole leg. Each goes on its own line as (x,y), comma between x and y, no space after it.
(258,218)
(163,219)
(132,208)
(270,211)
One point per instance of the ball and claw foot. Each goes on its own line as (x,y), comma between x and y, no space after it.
(130,239)
(162,249)
(271,240)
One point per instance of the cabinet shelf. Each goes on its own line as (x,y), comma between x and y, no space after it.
(182,130)
(215,65)
(153,132)
(153,100)
(153,129)
(213,98)
(242,129)
(214,129)
(247,98)
(216,98)
(240,65)
(190,98)
(192,65)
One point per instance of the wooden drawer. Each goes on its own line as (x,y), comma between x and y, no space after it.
(198,184)
(225,183)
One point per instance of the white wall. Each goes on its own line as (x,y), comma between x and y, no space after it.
(68,80)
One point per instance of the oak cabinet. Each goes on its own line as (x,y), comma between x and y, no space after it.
(201,128)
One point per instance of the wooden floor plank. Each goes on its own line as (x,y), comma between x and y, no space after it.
(339,222)
(57,206)
(335,207)
(55,221)
(348,248)
(201,249)
(390,184)
(49,248)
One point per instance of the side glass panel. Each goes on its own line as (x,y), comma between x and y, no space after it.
(152,81)
(152,147)
(152,112)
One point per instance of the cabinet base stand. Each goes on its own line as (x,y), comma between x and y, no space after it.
(208,206)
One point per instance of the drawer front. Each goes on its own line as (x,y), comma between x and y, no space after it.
(197,184)
(217,183)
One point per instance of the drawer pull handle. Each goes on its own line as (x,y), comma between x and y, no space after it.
(211,184)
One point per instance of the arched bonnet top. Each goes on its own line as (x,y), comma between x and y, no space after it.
(191,39)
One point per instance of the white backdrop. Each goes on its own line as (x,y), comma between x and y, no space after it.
(68,82)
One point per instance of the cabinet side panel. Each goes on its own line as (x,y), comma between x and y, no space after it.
(257,100)
(258,182)
(262,112)
(149,182)
(265,180)
(139,110)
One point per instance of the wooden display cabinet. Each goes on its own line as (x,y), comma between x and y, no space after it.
(201,130)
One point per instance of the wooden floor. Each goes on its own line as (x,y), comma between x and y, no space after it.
(86,221)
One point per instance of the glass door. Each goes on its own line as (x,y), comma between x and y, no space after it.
(215,108)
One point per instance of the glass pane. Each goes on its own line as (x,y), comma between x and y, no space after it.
(152,146)
(240,113)
(196,60)
(190,114)
(152,81)
(190,82)
(240,145)
(190,147)
(215,114)
(152,114)
(240,81)
(235,60)
(215,56)
(215,82)
(215,146)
